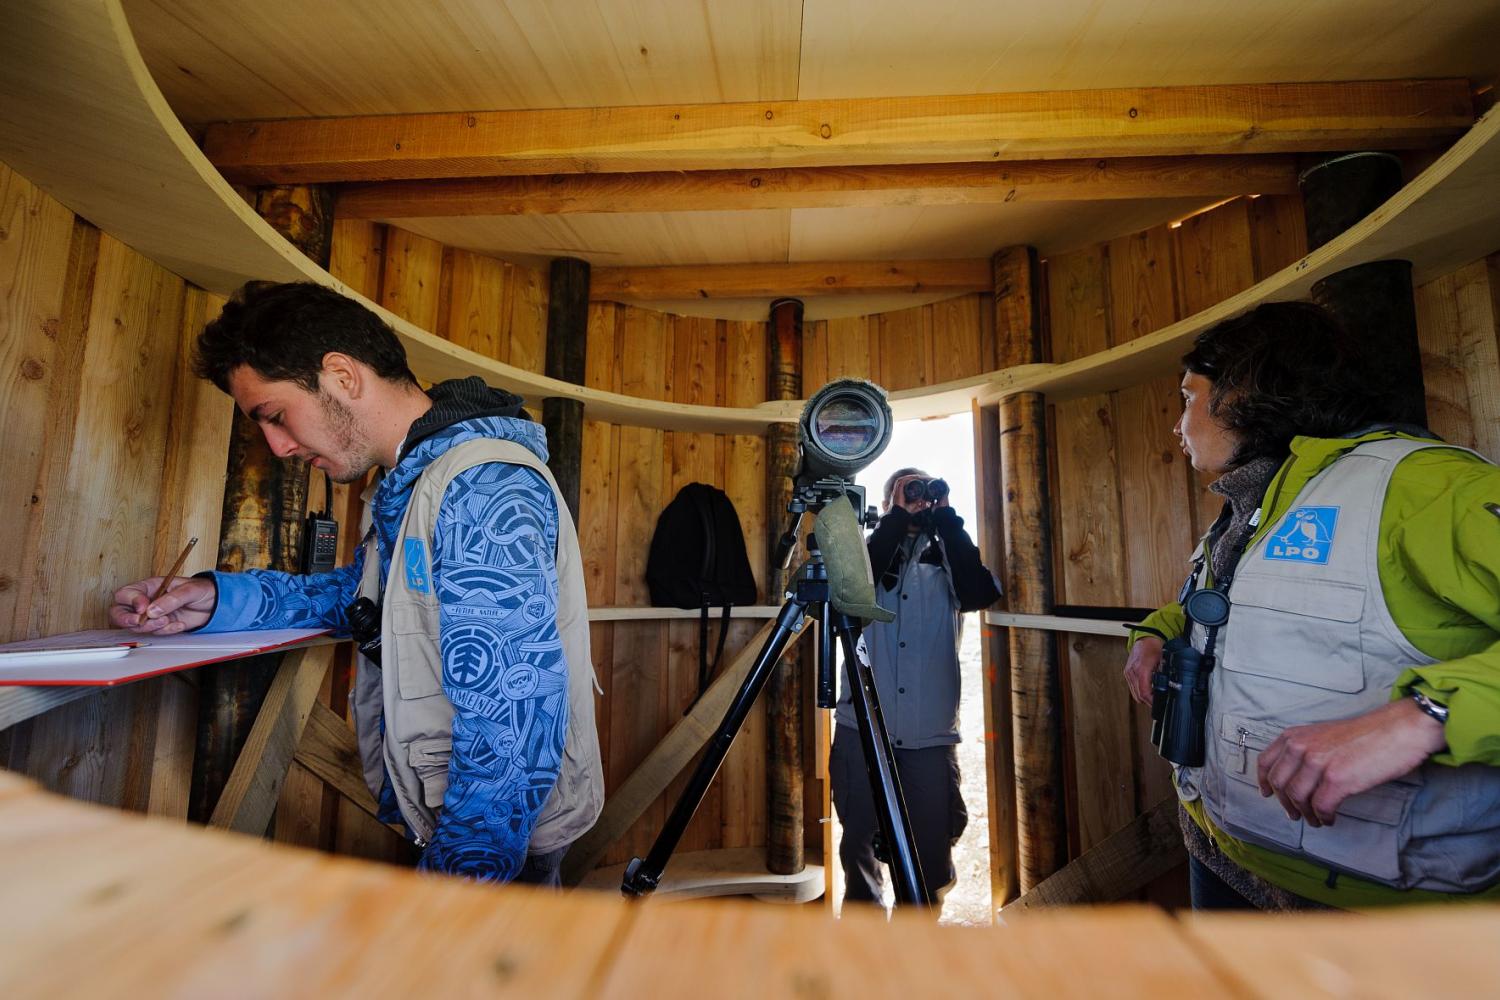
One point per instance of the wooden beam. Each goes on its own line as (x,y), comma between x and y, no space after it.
(330,751)
(1238,118)
(250,795)
(748,281)
(1149,846)
(665,761)
(824,187)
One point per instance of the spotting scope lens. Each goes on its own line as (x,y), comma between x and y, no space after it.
(844,427)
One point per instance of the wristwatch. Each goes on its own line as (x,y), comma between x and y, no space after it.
(1430,707)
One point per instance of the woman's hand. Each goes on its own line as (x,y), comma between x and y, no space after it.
(1144,658)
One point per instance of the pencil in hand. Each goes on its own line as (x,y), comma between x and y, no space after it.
(167,579)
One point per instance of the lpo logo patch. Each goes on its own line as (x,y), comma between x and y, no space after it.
(1305,536)
(415,565)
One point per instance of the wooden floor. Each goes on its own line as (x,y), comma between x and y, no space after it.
(97,902)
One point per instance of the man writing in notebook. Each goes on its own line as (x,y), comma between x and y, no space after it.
(475,715)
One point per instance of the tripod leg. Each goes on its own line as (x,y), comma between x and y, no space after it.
(642,877)
(880,762)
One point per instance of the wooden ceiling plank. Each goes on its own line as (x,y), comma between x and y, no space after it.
(824,187)
(1239,118)
(729,281)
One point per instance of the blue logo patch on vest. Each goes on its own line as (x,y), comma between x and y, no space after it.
(415,565)
(1305,536)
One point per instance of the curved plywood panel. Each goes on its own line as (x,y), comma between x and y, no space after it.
(82,118)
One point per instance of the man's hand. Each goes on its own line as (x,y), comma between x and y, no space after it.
(1145,657)
(1312,769)
(187,604)
(898,495)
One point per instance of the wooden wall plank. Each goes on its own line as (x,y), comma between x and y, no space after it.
(853,348)
(1090,553)
(1458,321)
(1278,231)
(814,356)
(1215,259)
(527,331)
(1155,478)
(412,277)
(903,337)
(476,308)
(34,263)
(357,255)
(640,648)
(693,377)
(956,336)
(742,779)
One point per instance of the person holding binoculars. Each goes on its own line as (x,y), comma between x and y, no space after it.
(927,570)
(1327,684)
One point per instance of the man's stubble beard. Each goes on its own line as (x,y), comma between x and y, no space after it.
(356,453)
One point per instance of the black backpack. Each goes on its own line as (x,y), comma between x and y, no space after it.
(698,560)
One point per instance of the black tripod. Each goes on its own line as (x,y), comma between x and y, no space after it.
(809,599)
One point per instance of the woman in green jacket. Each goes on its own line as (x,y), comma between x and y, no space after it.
(1351,741)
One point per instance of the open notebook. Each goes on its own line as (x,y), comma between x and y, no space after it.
(114,656)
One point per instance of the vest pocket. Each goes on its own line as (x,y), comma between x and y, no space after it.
(429,758)
(419,669)
(1302,631)
(1366,835)
(1244,812)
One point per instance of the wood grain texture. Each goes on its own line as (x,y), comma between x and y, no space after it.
(1260,118)
(1458,321)
(794,279)
(1117,866)
(34,266)
(823,187)
(1090,552)
(250,796)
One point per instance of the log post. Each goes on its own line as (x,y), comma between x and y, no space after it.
(1041,833)
(1375,301)
(265,501)
(567,341)
(784,837)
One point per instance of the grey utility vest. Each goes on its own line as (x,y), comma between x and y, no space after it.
(914,658)
(1310,639)
(407,690)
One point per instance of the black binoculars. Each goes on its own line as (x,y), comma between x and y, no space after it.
(364,627)
(924,489)
(1179,701)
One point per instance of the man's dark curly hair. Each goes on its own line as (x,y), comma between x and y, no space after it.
(1284,369)
(282,331)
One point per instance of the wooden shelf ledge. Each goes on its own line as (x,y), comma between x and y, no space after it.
(124,162)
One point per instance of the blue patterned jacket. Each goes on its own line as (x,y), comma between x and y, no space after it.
(495,540)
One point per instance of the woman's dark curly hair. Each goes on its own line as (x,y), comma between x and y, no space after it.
(1284,369)
(282,331)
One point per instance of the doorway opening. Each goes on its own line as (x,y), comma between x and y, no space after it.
(945,447)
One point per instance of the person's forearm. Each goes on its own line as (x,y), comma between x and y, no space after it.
(1470,687)
(886,540)
(973,584)
(1168,619)
(265,599)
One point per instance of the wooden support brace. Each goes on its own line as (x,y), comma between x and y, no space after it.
(665,761)
(330,751)
(250,795)
(1125,861)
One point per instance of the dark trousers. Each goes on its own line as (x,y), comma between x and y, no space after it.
(934,803)
(543,869)
(1209,892)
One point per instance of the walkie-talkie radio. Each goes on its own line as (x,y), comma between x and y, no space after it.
(320,535)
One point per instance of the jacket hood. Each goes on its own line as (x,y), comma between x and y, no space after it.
(462,409)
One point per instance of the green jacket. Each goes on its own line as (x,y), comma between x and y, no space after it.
(1440,572)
